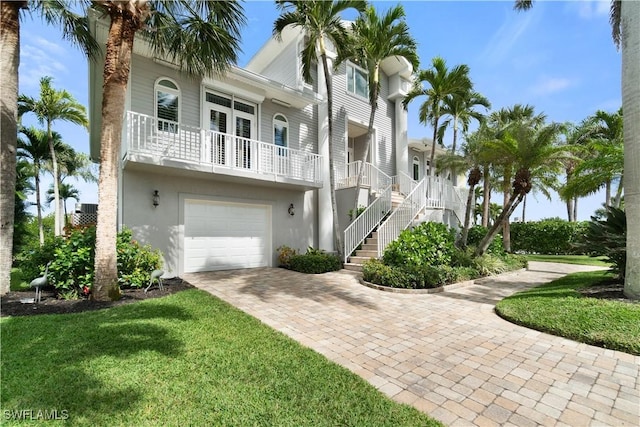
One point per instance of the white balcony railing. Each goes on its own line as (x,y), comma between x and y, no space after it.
(173,141)
(372,177)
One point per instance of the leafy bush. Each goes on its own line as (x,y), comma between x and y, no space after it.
(414,277)
(477,233)
(358,212)
(72,261)
(552,236)
(607,237)
(284,255)
(315,261)
(430,243)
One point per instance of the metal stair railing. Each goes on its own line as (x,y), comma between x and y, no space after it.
(372,177)
(402,216)
(366,222)
(404,183)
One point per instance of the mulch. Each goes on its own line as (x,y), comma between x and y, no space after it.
(12,303)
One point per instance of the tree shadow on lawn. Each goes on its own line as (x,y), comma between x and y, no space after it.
(74,362)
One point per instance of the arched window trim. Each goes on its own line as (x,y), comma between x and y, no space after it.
(157,87)
(416,162)
(284,123)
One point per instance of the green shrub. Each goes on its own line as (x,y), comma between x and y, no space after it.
(515,262)
(430,243)
(552,236)
(72,261)
(358,212)
(375,271)
(477,233)
(414,277)
(607,237)
(315,261)
(463,257)
(488,264)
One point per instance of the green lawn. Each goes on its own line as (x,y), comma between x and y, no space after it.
(570,259)
(557,308)
(186,359)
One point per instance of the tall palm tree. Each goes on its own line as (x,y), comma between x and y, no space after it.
(375,38)
(461,108)
(211,31)
(67,191)
(441,83)
(532,151)
(74,28)
(609,132)
(54,105)
(35,148)
(321,21)
(625,29)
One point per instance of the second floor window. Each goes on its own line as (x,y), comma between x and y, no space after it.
(280,132)
(167,105)
(357,81)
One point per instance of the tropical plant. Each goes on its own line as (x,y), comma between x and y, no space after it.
(67,191)
(607,237)
(625,29)
(461,108)
(531,150)
(53,105)
(373,39)
(211,30)
(35,148)
(321,21)
(441,83)
(74,28)
(24,173)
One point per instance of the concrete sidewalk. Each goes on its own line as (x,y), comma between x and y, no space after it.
(447,354)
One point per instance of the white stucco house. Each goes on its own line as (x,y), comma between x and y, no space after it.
(219,171)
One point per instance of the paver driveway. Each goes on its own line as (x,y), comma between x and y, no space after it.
(447,354)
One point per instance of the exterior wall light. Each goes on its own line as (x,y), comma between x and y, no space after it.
(156,198)
(291,210)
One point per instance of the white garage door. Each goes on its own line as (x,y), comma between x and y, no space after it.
(224,236)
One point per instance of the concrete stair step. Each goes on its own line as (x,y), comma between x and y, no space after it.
(370,246)
(366,253)
(359,259)
(353,267)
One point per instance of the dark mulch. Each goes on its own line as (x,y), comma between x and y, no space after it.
(611,289)
(11,304)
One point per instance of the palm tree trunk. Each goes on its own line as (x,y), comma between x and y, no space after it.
(486,201)
(467,217)
(9,62)
(57,229)
(514,200)
(332,175)
(607,194)
(618,197)
(630,16)
(575,209)
(569,204)
(39,207)
(506,229)
(116,75)
(524,208)
(432,165)
(455,135)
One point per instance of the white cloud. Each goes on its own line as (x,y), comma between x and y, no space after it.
(38,58)
(505,38)
(550,85)
(590,9)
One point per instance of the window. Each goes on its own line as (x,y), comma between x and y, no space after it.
(416,168)
(357,81)
(167,105)
(280,132)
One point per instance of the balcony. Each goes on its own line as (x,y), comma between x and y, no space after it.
(154,141)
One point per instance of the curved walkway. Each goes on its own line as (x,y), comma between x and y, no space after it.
(447,354)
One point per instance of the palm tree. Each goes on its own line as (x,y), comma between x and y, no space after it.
(67,191)
(374,39)
(461,108)
(610,133)
(470,161)
(625,29)
(211,31)
(321,21)
(74,28)
(54,105)
(532,152)
(24,173)
(36,149)
(441,82)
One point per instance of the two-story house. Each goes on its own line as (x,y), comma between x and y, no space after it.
(219,171)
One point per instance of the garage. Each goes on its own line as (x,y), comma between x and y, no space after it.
(225,236)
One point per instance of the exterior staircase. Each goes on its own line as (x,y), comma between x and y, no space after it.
(369,249)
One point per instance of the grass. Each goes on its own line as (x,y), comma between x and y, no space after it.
(570,259)
(557,308)
(186,359)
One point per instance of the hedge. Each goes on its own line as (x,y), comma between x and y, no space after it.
(548,236)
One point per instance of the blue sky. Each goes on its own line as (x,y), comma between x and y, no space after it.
(558,57)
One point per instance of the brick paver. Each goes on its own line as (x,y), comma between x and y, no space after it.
(447,354)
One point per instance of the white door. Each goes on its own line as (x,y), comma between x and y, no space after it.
(225,236)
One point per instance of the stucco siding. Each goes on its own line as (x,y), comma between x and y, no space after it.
(162,227)
(145,72)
